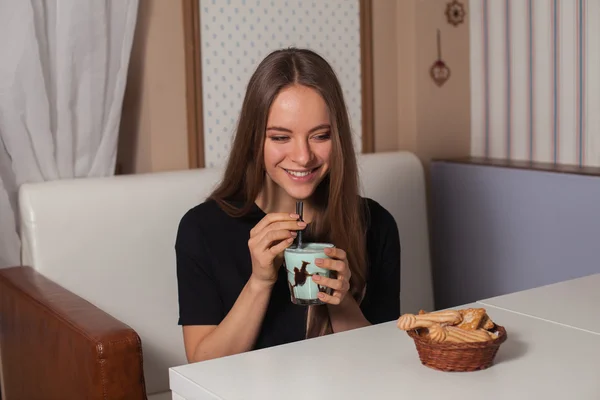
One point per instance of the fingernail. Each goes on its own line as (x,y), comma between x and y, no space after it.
(318,261)
(294,233)
(295,216)
(321,295)
(290,240)
(316,277)
(301,223)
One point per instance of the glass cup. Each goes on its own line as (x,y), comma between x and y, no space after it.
(300,266)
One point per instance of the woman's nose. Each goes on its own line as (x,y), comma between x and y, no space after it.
(302,153)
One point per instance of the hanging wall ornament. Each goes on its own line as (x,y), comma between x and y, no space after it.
(455,13)
(439,71)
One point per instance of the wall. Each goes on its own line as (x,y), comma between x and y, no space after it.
(443,114)
(432,121)
(534,97)
(501,230)
(410,111)
(237,35)
(153,133)
(385,75)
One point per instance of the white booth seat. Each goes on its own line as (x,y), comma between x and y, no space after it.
(111,242)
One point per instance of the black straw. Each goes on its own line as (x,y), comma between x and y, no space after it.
(299,211)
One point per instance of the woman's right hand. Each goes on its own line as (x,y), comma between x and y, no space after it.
(268,239)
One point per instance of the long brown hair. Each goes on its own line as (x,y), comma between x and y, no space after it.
(338,210)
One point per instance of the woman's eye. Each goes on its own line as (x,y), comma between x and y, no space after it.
(278,138)
(323,136)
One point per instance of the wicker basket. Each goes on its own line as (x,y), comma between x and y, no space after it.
(457,357)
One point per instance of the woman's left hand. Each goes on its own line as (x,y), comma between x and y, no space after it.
(340,284)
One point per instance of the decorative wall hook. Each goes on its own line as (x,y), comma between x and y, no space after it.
(439,71)
(455,12)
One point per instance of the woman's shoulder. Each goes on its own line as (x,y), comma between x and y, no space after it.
(376,214)
(201,217)
(210,215)
(206,212)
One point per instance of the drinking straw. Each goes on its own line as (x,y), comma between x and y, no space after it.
(299,211)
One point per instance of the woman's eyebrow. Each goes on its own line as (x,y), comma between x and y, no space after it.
(320,127)
(278,128)
(282,129)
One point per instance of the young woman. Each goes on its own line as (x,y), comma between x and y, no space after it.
(293,142)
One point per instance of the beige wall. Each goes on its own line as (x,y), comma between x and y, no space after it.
(411,112)
(153,134)
(443,114)
(385,75)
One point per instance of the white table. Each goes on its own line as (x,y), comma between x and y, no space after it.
(574,303)
(540,359)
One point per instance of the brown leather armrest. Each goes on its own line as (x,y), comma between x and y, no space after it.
(55,345)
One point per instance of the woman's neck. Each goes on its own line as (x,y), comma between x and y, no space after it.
(273,199)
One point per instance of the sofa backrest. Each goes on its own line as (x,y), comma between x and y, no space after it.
(111,241)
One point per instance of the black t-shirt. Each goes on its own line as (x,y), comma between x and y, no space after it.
(213,266)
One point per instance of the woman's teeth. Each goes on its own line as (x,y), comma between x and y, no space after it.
(299,174)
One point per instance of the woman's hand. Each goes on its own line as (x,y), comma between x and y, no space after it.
(340,280)
(268,239)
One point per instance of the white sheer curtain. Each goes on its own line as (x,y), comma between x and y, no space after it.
(63,69)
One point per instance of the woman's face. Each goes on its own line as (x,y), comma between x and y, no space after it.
(298,141)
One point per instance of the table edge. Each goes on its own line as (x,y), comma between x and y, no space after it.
(483,303)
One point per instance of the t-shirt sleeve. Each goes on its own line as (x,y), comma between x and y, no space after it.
(382,298)
(199,299)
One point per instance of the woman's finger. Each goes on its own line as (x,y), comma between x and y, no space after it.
(335,284)
(328,263)
(288,226)
(275,236)
(281,246)
(269,219)
(336,253)
(326,298)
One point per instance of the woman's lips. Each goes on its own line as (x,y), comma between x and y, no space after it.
(301,176)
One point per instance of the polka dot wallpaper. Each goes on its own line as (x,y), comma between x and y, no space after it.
(237,34)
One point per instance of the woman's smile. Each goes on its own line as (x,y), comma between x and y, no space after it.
(301,176)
